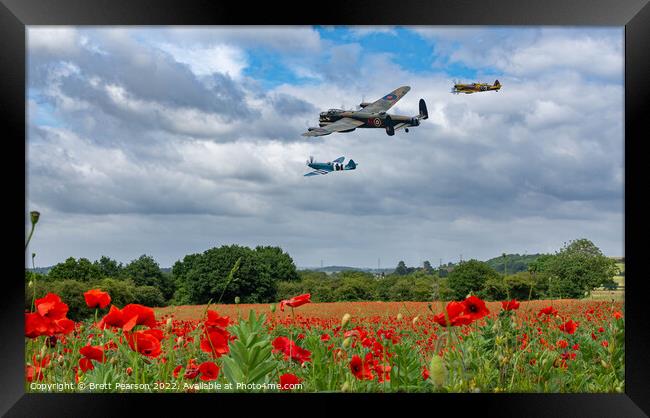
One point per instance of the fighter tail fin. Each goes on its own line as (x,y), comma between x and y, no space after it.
(496,83)
(351,165)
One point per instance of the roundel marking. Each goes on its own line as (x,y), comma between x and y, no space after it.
(389,97)
(377,122)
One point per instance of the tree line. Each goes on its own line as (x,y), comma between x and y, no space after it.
(267,274)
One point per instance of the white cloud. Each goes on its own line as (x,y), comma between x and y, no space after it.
(60,41)
(205,61)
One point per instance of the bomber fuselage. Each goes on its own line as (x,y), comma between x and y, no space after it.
(370,120)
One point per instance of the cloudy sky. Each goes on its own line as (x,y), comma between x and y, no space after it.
(170,141)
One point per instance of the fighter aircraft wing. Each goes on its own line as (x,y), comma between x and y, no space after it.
(316,172)
(339,160)
(342,124)
(387,101)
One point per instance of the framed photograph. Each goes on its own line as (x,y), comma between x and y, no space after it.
(355,205)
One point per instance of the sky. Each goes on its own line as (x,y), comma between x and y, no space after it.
(168,141)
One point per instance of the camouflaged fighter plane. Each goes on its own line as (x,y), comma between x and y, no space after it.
(324,168)
(371,115)
(475,87)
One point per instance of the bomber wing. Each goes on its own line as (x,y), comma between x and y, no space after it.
(387,101)
(342,124)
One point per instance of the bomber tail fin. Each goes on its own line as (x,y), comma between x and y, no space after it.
(424,113)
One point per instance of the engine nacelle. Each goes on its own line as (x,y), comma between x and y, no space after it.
(364,104)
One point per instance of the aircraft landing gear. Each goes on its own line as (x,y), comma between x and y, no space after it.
(406,130)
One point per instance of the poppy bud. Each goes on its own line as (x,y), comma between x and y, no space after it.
(346,342)
(399,316)
(610,348)
(237,300)
(43,351)
(168,325)
(112,360)
(30,284)
(60,359)
(34,217)
(437,371)
(129,371)
(272,307)
(180,340)
(416,319)
(604,364)
(345,387)
(345,320)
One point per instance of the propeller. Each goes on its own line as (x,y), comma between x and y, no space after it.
(363,100)
(311,160)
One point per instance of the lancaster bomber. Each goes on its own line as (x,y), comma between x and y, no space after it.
(371,115)
(324,168)
(475,87)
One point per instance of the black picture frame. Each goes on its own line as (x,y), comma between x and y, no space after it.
(634,15)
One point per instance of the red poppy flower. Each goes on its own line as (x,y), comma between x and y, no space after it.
(214,320)
(85,364)
(510,305)
(95,352)
(475,308)
(291,350)
(296,301)
(128,317)
(455,316)
(618,315)
(547,311)
(177,370)
(51,307)
(215,342)
(360,369)
(209,371)
(33,372)
(49,318)
(288,381)
(97,298)
(569,327)
(146,342)
(425,372)
(145,315)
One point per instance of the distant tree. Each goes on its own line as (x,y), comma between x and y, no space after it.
(576,269)
(470,277)
(280,264)
(108,267)
(144,271)
(205,276)
(427,266)
(401,269)
(81,270)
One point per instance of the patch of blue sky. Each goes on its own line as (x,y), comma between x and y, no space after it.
(408,49)
(271,69)
(44,114)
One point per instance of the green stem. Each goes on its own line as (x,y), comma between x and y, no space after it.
(29,237)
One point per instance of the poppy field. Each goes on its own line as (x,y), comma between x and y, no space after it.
(546,346)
